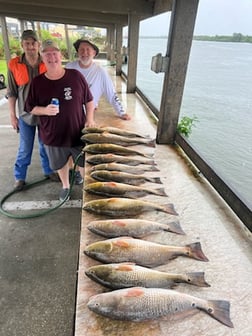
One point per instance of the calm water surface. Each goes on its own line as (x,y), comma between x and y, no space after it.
(218,91)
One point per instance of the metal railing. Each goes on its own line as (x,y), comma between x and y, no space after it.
(235,201)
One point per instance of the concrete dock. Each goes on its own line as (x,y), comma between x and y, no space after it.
(44,290)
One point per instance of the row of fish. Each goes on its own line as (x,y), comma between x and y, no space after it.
(138,292)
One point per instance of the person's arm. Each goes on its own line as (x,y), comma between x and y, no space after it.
(12,94)
(12,109)
(113,99)
(49,110)
(89,114)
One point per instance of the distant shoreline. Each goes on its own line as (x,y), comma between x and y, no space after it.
(236,37)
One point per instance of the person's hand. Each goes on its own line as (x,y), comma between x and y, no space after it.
(52,110)
(14,122)
(125,117)
(90,123)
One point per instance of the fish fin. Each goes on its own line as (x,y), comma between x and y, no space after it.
(119,223)
(112,184)
(197,279)
(169,208)
(125,267)
(151,143)
(175,228)
(195,252)
(121,243)
(154,180)
(219,310)
(161,192)
(135,291)
(150,156)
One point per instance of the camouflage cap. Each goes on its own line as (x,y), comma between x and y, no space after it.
(49,44)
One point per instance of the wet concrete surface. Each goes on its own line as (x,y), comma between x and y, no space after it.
(38,256)
(204,217)
(40,262)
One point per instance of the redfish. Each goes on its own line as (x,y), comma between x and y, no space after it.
(112,189)
(123,168)
(109,157)
(114,149)
(125,275)
(137,228)
(113,130)
(117,176)
(141,252)
(141,304)
(105,137)
(124,207)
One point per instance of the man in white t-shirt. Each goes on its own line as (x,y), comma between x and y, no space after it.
(97,78)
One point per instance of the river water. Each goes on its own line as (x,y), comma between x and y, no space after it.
(218,91)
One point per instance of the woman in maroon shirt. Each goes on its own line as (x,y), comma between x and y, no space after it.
(60,126)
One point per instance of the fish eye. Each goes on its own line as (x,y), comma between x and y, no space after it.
(193,304)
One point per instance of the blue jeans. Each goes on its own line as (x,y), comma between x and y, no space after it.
(24,155)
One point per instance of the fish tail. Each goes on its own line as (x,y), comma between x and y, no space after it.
(175,228)
(219,310)
(154,180)
(153,168)
(169,208)
(151,143)
(149,156)
(195,252)
(149,162)
(160,192)
(197,279)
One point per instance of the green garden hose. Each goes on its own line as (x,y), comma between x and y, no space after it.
(31,185)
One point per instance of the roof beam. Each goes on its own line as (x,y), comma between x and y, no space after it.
(143,7)
(67,16)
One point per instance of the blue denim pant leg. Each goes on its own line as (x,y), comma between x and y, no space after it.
(24,155)
(44,158)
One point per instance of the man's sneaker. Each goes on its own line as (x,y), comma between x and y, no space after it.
(54,177)
(64,195)
(78,179)
(19,185)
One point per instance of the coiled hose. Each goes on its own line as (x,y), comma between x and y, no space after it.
(33,184)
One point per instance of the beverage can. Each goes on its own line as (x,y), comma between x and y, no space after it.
(55,101)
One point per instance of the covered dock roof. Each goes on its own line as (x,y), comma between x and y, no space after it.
(97,13)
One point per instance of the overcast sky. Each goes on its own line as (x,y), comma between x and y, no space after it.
(214,17)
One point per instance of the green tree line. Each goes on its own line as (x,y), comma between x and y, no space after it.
(15,47)
(236,37)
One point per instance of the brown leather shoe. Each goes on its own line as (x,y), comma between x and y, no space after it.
(54,177)
(19,185)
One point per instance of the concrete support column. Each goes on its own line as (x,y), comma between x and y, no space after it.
(111,43)
(133,36)
(182,23)
(119,37)
(69,47)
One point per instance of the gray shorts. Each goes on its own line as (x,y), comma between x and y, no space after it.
(58,156)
